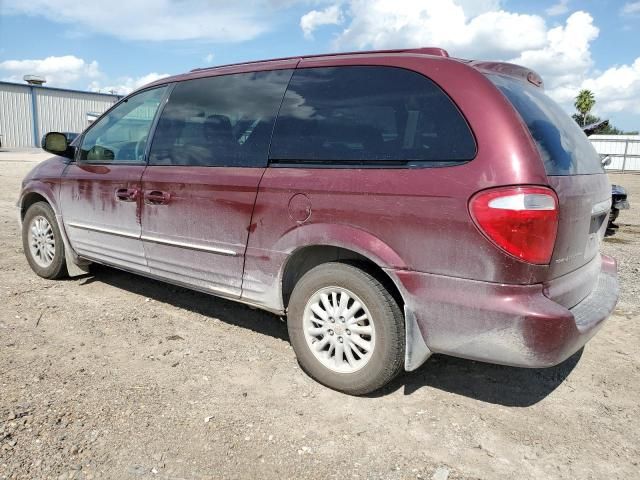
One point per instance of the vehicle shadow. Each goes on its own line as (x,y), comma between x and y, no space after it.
(208,305)
(497,384)
(507,386)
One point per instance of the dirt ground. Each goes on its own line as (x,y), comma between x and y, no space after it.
(115,376)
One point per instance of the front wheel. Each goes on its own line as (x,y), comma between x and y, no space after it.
(42,242)
(346,329)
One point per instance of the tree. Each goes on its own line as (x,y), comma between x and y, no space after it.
(584,103)
(585,100)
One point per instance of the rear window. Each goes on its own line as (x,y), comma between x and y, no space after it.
(562,144)
(366,115)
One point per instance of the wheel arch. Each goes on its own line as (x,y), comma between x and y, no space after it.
(305,258)
(308,247)
(38,192)
(29,199)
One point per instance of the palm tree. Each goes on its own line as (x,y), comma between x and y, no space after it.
(584,103)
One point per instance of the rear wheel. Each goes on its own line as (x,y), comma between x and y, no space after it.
(42,242)
(346,329)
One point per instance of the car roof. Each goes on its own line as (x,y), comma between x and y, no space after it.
(435,51)
(290,62)
(503,68)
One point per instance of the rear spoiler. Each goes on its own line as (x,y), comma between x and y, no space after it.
(509,69)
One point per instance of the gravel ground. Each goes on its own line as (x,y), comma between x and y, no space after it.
(115,376)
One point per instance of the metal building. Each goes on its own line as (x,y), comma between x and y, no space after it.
(624,150)
(28,111)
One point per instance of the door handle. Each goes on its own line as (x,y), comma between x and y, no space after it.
(155,197)
(127,194)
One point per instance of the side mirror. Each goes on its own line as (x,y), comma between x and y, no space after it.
(606,161)
(58,144)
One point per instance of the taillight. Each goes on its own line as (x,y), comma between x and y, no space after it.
(522,221)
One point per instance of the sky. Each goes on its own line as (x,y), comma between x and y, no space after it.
(120,45)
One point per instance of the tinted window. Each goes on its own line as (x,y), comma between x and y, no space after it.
(220,121)
(368,114)
(563,146)
(120,136)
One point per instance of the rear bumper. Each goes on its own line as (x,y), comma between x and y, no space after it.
(507,324)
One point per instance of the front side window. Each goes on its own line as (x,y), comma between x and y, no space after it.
(369,115)
(220,121)
(121,135)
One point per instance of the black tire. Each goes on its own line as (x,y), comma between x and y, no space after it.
(387,358)
(58,267)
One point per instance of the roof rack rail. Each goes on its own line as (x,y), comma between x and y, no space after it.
(435,51)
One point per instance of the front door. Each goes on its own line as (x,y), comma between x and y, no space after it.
(100,195)
(208,155)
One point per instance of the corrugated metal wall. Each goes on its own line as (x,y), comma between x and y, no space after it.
(56,110)
(61,111)
(16,123)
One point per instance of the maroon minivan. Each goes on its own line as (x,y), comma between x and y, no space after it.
(391,204)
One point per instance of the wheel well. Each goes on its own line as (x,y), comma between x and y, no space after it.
(306,258)
(30,199)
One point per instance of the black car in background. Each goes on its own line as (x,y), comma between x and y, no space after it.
(618,193)
(618,202)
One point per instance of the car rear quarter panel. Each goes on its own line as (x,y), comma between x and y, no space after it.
(408,219)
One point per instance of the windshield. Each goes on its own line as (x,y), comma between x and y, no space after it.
(563,146)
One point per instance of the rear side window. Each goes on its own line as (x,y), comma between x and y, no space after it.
(371,116)
(219,121)
(563,146)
